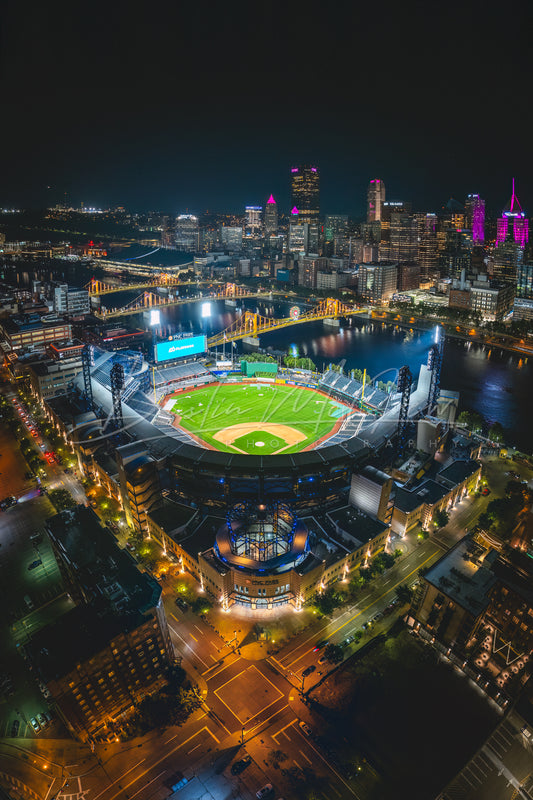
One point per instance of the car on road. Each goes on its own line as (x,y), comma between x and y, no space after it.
(485,491)
(319,645)
(306,729)
(308,670)
(36,563)
(265,791)
(15,728)
(240,766)
(35,725)
(180,602)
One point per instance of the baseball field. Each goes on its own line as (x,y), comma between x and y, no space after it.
(256,418)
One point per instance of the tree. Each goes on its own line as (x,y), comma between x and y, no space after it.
(404,593)
(471,420)
(496,432)
(327,601)
(62,499)
(441,518)
(334,653)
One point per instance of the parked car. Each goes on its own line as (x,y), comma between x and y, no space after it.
(240,766)
(35,725)
(180,602)
(266,791)
(36,563)
(308,670)
(306,729)
(42,720)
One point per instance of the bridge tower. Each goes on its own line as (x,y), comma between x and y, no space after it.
(117,383)
(405,380)
(435,356)
(86,368)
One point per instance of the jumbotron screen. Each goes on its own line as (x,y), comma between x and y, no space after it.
(180,348)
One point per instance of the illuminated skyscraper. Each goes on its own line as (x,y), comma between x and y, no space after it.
(513,224)
(305,194)
(271,216)
(376,198)
(475,217)
(187,233)
(253,221)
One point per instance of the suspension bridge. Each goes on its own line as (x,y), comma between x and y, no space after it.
(97,288)
(148,300)
(252,324)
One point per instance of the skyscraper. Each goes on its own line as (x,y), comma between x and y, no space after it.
(305,194)
(253,220)
(475,217)
(513,225)
(271,216)
(187,233)
(375,198)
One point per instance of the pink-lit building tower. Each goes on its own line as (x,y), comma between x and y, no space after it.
(375,200)
(513,225)
(475,211)
(271,216)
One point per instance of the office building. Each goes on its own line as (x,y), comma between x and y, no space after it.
(231,237)
(104,656)
(303,238)
(335,226)
(253,222)
(524,281)
(513,225)
(31,331)
(71,301)
(377,282)
(427,256)
(493,300)
(271,216)
(305,194)
(399,233)
(475,217)
(308,267)
(408,276)
(375,200)
(187,233)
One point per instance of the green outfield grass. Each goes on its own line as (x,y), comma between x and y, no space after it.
(205,412)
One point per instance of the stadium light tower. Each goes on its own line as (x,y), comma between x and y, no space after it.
(435,355)
(155,319)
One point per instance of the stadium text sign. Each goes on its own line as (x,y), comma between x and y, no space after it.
(180,348)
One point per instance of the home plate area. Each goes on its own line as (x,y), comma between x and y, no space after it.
(259,437)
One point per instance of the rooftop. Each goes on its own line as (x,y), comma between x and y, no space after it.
(357,525)
(102,568)
(458,471)
(172,516)
(429,492)
(463,575)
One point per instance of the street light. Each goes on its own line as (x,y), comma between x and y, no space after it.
(242,735)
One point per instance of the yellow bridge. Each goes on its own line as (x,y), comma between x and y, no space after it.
(148,300)
(252,324)
(96,288)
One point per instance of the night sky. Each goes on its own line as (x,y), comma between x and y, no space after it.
(207,105)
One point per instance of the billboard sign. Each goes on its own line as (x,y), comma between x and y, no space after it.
(180,348)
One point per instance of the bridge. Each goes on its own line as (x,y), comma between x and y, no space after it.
(148,300)
(252,324)
(96,288)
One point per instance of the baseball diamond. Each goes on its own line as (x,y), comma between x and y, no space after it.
(256,417)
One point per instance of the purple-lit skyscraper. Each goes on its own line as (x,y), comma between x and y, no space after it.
(475,213)
(375,200)
(513,225)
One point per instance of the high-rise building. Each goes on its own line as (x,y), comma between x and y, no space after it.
(253,220)
(231,237)
(475,217)
(271,216)
(305,194)
(308,267)
(426,243)
(187,237)
(377,281)
(303,238)
(72,301)
(524,281)
(399,234)
(375,200)
(335,225)
(513,225)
